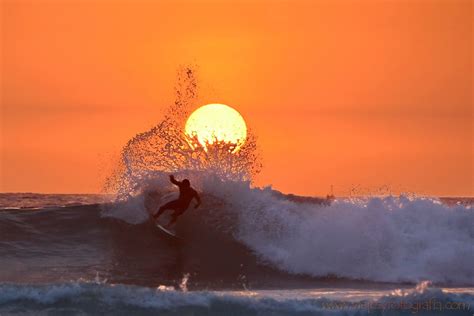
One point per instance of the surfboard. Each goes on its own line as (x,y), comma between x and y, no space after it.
(165,217)
(166,231)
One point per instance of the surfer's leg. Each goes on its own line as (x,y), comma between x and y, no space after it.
(174,218)
(168,206)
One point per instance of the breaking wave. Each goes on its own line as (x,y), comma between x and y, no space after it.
(392,239)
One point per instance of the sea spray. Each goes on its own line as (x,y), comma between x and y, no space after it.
(166,148)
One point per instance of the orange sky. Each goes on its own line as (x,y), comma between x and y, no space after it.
(350,93)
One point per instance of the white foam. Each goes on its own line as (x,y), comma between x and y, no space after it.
(382,239)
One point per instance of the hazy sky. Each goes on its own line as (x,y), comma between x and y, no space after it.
(358,94)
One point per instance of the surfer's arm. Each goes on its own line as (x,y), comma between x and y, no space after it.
(173,180)
(198,199)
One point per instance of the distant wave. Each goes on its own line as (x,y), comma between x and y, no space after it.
(38,201)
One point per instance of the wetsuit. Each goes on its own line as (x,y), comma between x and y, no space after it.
(186,194)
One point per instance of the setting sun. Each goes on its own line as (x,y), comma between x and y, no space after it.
(217,122)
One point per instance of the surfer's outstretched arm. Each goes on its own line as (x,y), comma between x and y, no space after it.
(173,180)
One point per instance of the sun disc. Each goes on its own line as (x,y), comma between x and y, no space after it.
(217,122)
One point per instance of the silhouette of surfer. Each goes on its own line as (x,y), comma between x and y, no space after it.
(179,206)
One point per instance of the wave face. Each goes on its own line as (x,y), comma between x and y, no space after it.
(91,299)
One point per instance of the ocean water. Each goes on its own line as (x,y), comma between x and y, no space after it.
(246,251)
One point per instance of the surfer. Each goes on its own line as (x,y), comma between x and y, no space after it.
(179,206)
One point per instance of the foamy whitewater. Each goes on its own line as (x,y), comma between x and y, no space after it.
(246,251)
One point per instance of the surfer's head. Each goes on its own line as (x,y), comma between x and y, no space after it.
(186,183)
